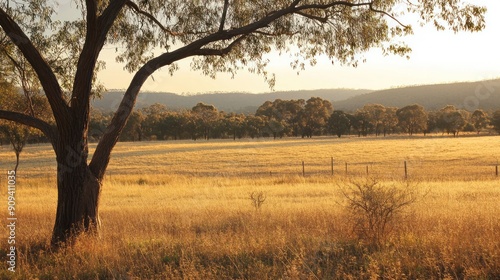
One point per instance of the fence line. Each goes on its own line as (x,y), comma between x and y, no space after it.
(327,166)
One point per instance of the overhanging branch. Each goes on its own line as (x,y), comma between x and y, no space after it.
(48,130)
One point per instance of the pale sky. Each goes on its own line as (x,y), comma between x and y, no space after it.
(437,57)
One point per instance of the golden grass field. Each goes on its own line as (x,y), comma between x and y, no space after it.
(182,210)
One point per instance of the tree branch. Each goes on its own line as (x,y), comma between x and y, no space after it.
(22,73)
(91,14)
(48,130)
(224,15)
(138,10)
(320,19)
(387,14)
(45,74)
(270,34)
(332,4)
(97,30)
(219,52)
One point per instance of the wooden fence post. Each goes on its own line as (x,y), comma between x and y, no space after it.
(346,168)
(303,169)
(367,170)
(332,166)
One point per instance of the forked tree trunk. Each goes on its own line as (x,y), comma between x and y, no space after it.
(78,198)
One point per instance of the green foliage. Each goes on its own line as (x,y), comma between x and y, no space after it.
(315,116)
(412,118)
(361,122)
(451,120)
(339,123)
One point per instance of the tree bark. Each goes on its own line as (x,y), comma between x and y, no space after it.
(78,187)
(78,203)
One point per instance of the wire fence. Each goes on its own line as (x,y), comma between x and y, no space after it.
(309,167)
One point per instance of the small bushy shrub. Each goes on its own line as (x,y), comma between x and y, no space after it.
(375,206)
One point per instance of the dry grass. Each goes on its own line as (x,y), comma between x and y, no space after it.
(200,223)
(427,158)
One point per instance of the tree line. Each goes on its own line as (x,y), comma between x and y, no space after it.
(294,118)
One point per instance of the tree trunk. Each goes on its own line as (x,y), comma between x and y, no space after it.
(78,194)
(18,154)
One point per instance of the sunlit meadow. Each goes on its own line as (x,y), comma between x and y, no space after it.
(182,210)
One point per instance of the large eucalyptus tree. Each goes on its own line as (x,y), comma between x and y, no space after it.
(220,36)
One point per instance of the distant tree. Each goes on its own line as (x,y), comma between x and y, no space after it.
(191,125)
(286,112)
(254,125)
(151,123)
(390,120)
(479,120)
(206,117)
(412,118)
(495,121)
(133,130)
(172,123)
(452,120)
(268,109)
(432,122)
(155,109)
(376,115)
(15,134)
(234,124)
(98,124)
(339,123)
(275,127)
(361,123)
(314,117)
(291,110)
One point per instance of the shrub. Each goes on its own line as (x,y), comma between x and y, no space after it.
(374,207)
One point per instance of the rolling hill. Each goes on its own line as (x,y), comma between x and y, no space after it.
(229,102)
(467,95)
(470,96)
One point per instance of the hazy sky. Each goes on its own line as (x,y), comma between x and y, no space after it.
(437,57)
